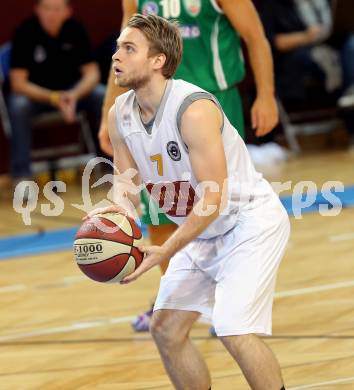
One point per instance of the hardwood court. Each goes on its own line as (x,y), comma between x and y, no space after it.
(59,330)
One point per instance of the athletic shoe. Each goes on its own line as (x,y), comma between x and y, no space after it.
(142,321)
(212,332)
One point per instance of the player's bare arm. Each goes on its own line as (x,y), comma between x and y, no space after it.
(123,183)
(113,90)
(244,18)
(201,132)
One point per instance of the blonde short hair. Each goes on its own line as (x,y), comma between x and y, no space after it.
(163,36)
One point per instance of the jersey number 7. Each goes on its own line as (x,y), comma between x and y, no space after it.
(158,159)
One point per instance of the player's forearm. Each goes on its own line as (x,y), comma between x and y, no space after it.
(127,196)
(130,203)
(262,65)
(127,187)
(194,224)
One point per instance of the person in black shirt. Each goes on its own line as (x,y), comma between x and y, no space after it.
(52,67)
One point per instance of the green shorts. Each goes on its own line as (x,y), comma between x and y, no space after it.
(150,212)
(230,102)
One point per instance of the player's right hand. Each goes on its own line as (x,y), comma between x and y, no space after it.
(105,142)
(154,255)
(105,210)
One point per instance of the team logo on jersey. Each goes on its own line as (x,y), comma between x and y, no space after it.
(193,7)
(150,8)
(173,151)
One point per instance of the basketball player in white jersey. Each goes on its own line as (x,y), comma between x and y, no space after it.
(232,227)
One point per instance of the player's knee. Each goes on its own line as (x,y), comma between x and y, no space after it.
(160,330)
(164,330)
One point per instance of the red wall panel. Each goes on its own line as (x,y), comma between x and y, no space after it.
(101,18)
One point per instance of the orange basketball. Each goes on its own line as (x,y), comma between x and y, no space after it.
(106,247)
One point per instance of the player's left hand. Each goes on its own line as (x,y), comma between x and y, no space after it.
(264,115)
(154,255)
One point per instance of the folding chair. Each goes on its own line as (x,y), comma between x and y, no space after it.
(309,121)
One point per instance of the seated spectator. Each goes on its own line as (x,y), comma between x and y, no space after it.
(308,59)
(52,68)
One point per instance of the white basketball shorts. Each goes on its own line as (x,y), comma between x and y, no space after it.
(230,279)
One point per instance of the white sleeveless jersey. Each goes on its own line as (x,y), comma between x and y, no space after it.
(163,160)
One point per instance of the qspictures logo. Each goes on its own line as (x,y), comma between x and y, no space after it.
(177,200)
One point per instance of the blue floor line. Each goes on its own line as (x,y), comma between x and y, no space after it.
(57,240)
(331,199)
(41,242)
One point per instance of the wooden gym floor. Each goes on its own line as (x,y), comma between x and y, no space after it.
(59,330)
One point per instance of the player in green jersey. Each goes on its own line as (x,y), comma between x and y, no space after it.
(212,56)
(213,60)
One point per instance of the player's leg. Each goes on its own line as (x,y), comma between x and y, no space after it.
(256,360)
(160,228)
(245,290)
(182,360)
(185,293)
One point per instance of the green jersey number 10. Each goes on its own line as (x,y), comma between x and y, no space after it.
(171,8)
